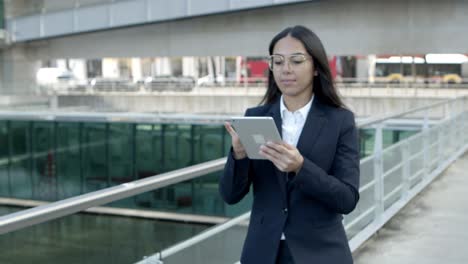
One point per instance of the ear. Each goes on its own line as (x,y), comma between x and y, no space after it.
(315,73)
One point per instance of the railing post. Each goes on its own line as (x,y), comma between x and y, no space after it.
(440,138)
(464,119)
(405,154)
(378,172)
(452,134)
(425,139)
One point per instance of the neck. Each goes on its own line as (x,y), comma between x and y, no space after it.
(295,103)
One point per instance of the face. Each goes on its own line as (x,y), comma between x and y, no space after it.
(292,68)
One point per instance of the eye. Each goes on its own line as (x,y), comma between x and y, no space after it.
(277,60)
(298,59)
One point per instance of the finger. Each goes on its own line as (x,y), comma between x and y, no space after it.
(229,129)
(278,147)
(275,157)
(288,146)
(271,151)
(276,160)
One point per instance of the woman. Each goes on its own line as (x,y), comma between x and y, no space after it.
(311,178)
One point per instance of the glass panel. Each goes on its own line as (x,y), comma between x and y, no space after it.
(148,158)
(44,163)
(224,247)
(393,181)
(366,141)
(68,158)
(95,166)
(121,153)
(366,201)
(211,144)
(86,238)
(415,166)
(74,158)
(367,171)
(177,146)
(391,158)
(20,166)
(4,160)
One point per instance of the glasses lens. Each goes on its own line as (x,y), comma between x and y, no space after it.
(276,61)
(297,59)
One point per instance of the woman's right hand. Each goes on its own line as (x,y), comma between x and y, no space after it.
(239,150)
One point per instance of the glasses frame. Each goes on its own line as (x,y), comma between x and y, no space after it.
(287,59)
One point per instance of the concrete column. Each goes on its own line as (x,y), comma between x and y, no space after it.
(163,66)
(62,64)
(78,67)
(110,67)
(146,67)
(238,68)
(362,68)
(136,69)
(371,67)
(17,72)
(188,66)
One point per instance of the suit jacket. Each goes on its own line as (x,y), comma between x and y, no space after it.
(308,208)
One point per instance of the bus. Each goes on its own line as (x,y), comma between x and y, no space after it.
(429,68)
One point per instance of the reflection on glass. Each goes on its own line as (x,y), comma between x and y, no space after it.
(49,161)
(84,238)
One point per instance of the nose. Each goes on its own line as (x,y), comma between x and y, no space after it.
(286,67)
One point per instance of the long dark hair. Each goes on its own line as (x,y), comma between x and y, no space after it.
(324,88)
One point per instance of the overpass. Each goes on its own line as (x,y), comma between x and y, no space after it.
(238,27)
(88,29)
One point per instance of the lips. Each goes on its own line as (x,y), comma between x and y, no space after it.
(288,81)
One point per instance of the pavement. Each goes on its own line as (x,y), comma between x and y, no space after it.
(431,229)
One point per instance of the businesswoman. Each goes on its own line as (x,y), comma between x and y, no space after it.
(310,178)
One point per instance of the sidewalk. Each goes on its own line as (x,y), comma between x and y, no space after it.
(431,229)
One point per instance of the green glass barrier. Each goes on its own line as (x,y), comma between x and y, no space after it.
(2,15)
(95,156)
(49,161)
(68,157)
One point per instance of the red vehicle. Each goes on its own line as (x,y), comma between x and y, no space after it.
(256,69)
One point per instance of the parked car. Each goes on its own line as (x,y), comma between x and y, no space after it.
(112,84)
(169,83)
(209,80)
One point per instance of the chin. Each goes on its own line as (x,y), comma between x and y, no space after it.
(290,92)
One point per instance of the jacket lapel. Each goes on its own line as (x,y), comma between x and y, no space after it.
(310,132)
(281,176)
(312,127)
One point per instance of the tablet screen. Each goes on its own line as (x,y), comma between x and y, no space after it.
(255,131)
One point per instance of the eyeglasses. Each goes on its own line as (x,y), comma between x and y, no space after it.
(276,62)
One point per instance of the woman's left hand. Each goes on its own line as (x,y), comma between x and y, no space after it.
(285,157)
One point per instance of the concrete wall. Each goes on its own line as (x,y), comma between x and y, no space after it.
(17,71)
(346,27)
(363,106)
(25,102)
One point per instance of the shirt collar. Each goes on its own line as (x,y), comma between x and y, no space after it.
(303,111)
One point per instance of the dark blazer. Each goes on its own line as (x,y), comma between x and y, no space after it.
(308,208)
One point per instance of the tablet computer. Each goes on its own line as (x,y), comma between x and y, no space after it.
(255,131)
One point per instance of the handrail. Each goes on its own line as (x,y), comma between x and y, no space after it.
(130,117)
(43,213)
(75,204)
(413,110)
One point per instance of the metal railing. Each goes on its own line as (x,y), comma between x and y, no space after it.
(414,159)
(79,203)
(391,177)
